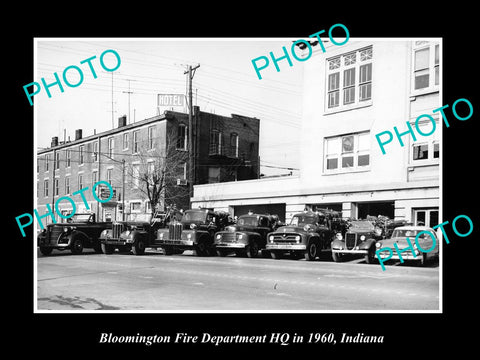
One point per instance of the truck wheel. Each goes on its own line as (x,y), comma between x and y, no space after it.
(252,249)
(337,257)
(276,255)
(168,250)
(370,257)
(200,249)
(77,246)
(98,248)
(46,250)
(107,249)
(221,253)
(139,247)
(312,251)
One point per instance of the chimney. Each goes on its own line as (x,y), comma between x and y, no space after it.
(54,141)
(122,121)
(78,134)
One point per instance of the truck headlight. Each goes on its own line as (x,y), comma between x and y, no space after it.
(297,238)
(378,245)
(339,236)
(240,237)
(362,237)
(219,236)
(193,226)
(270,238)
(160,235)
(189,236)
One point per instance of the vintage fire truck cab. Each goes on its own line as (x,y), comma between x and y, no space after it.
(79,232)
(195,231)
(247,237)
(307,235)
(361,237)
(134,236)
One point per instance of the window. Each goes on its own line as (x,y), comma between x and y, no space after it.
(56,187)
(182,171)
(95,151)
(47,160)
(135,206)
(67,185)
(109,175)
(80,154)
(426,63)
(347,152)
(68,157)
(110,147)
(136,175)
(135,142)
(215,142)
(57,161)
(349,79)
(80,181)
(125,141)
(213,175)
(182,137)
(45,187)
(425,217)
(94,177)
(426,151)
(150,137)
(234,145)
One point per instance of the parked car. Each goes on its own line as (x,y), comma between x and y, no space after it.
(134,236)
(306,236)
(248,237)
(195,231)
(78,232)
(429,244)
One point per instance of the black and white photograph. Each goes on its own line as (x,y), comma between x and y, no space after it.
(239,174)
(288,181)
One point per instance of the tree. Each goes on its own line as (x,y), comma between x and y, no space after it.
(153,172)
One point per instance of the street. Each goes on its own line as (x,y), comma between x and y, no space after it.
(188,283)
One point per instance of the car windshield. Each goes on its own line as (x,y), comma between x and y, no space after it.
(191,216)
(80,218)
(398,233)
(247,221)
(362,225)
(299,220)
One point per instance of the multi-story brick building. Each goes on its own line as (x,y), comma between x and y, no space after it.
(225,149)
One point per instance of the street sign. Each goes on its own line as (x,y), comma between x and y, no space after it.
(171,100)
(105,193)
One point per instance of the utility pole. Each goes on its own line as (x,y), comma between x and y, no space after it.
(191,157)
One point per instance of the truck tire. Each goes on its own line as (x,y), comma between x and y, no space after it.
(77,246)
(139,247)
(370,257)
(168,250)
(312,251)
(200,249)
(337,257)
(46,250)
(276,255)
(221,253)
(107,249)
(252,250)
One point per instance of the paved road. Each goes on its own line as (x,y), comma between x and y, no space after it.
(188,283)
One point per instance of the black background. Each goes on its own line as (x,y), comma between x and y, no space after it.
(62,335)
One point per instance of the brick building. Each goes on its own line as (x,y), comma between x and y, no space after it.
(225,149)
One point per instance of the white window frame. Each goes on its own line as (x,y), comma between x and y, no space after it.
(430,141)
(184,137)
(68,158)
(81,159)
(67,185)
(47,160)
(95,153)
(432,66)
(56,186)
(235,145)
(45,187)
(136,175)
(355,153)
(135,144)
(111,146)
(150,138)
(342,64)
(125,141)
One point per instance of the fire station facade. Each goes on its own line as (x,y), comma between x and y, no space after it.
(352,93)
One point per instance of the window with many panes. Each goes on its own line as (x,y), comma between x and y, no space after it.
(347,152)
(426,66)
(349,79)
